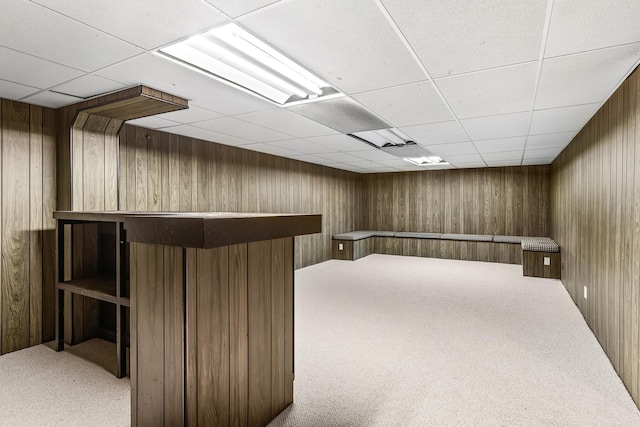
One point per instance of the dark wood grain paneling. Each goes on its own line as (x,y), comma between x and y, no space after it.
(150,333)
(278,375)
(49,195)
(27,232)
(238,331)
(173,337)
(15,332)
(289,310)
(259,312)
(212,339)
(346,253)
(36,178)
(238,305)
(595,218)
(203,176)
(473,201)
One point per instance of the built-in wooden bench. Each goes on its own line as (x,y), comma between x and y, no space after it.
(540,256)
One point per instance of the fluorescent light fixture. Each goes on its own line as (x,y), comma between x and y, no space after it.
(426,161)
(394,142)
(233,55)
(382,137)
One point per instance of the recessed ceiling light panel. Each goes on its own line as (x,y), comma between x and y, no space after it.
(234,55)
(426,161)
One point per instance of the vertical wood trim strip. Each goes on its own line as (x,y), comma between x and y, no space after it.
(277,326)
(49,224)
(35,225)
(191,334)
(238,332)
(213,336)
(133,334)
(288,319)
(173,336)
(259,311)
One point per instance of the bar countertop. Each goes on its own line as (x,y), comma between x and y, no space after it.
(202,229)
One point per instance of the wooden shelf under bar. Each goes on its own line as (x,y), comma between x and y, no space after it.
(102,288)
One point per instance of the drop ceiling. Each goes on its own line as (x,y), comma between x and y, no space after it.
(478,83)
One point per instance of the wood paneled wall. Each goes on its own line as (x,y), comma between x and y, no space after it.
(27,234)
(94,174)
(498,201)
(212,333)
(162,171)
(595,218)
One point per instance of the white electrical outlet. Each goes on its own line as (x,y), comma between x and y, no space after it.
(585,292)
(340,246)
(547,260)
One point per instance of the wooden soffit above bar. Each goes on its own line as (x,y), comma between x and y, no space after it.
(134,103)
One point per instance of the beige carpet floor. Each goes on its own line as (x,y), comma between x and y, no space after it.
(405,341)
(384,341)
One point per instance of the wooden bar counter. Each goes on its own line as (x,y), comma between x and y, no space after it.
(212,316)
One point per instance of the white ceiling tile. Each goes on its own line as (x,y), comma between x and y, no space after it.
(309,158)
(542,153)
(51,99)
(301,146)
(349,44)
(431,167)
(152,122)
(66,42)
(581,25)
(562,119)
(234,127)
(501,126)
(585,77)
(503,163)
(487,93)
(235,8)
(270,149)
(503,155)
(394,163)
(470,165)
(457,36)
(10,90)
(453,149)
(464,158)
(207,135)
(382,168)
(348,168)
(199,89)
(407,105)
(338,157)
(502,144)
(436,133)
(340,142)
(88,86)
(531,162)
(145,23)
(28,70)
(551,140)
(192,114)
(373,154)
(288,122)
(366,164)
